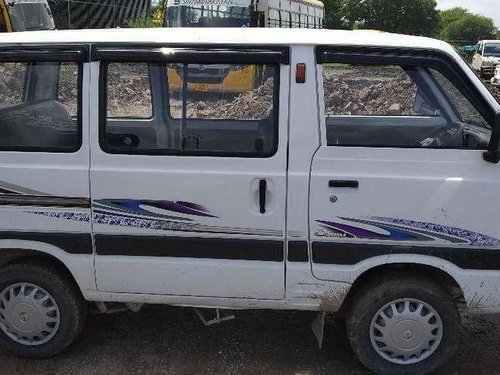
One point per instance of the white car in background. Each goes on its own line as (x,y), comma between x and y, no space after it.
(486,58)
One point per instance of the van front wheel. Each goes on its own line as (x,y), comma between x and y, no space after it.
(41,311)
(403,325)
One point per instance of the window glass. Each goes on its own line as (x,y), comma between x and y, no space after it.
(12,76)
(467,112)
(38,107)
(68,88)
(129,92)
(368,90)
(212,109)
(398,106)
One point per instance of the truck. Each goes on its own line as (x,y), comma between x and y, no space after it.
(486,58)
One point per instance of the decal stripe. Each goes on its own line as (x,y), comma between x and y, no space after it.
(189,247)
(72,243)
(351,253)
(43,201)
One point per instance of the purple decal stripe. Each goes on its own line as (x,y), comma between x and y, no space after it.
(473,238)
(410,230)
(351,230)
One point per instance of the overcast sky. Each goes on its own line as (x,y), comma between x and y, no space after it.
(487,8)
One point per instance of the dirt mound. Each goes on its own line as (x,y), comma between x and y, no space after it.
(252,105)
(496,93)
(357,96)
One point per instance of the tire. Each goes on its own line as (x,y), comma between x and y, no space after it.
(55,313)
(367,342)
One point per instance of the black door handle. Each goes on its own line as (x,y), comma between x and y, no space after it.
(262,196)
(343,184)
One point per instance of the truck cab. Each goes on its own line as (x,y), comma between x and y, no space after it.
(358,176)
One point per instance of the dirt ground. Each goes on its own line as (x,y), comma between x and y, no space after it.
(166,340)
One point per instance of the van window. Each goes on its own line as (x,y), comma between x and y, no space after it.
(212,109)
(398,106)
(129,91)
(39,107)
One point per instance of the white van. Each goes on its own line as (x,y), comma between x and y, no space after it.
(358,175)
(486,58)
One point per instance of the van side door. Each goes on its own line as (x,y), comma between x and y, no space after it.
(189,171)
(401,170)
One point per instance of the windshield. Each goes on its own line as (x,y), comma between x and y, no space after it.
(26,15)
(492,50)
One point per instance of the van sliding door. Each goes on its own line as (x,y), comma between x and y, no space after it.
(189,172)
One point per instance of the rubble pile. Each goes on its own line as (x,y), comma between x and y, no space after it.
(11,83)
(252,105)
(496,93)
(129,91)
(352,94)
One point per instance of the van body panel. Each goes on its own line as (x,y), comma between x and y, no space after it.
(230,254)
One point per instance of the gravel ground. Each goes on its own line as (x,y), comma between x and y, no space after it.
(166,340)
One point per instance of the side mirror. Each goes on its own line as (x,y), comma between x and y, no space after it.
(422,106)
(493,153)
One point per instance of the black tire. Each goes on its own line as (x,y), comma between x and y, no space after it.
(384,290)
(72,307)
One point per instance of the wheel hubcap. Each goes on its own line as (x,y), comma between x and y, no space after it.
(29,315)
(406,331)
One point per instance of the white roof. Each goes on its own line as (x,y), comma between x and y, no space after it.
(241,36)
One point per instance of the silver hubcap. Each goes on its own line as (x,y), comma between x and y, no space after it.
(406,331)
(28,314)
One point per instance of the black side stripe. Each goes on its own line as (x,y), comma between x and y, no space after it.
(351,254)
(189,247)
(298,251)
(43,201)
(72,243)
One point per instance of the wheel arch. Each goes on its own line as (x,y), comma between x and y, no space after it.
(438,275)
(78,268)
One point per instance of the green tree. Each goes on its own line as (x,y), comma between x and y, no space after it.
(154,20)
(333,14)
(416,17)
(462,27)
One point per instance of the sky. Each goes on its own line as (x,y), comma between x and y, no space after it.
(488,8)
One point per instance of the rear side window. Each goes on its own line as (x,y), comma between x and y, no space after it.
(190,109)
(399,106)
(39,106)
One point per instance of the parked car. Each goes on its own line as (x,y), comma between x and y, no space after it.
(486,58)
(358,175)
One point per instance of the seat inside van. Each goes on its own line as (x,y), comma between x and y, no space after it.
(32,124)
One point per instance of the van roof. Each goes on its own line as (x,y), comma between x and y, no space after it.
(243,36)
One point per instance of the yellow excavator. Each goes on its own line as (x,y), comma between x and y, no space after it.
(25,15)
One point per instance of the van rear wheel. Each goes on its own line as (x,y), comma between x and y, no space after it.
(41,311)
(403,324)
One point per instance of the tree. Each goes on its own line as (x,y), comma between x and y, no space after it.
(416,17)
(462,27)
(333,14)
(154,20)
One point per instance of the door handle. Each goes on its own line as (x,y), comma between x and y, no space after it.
(262,196)
(343,184)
